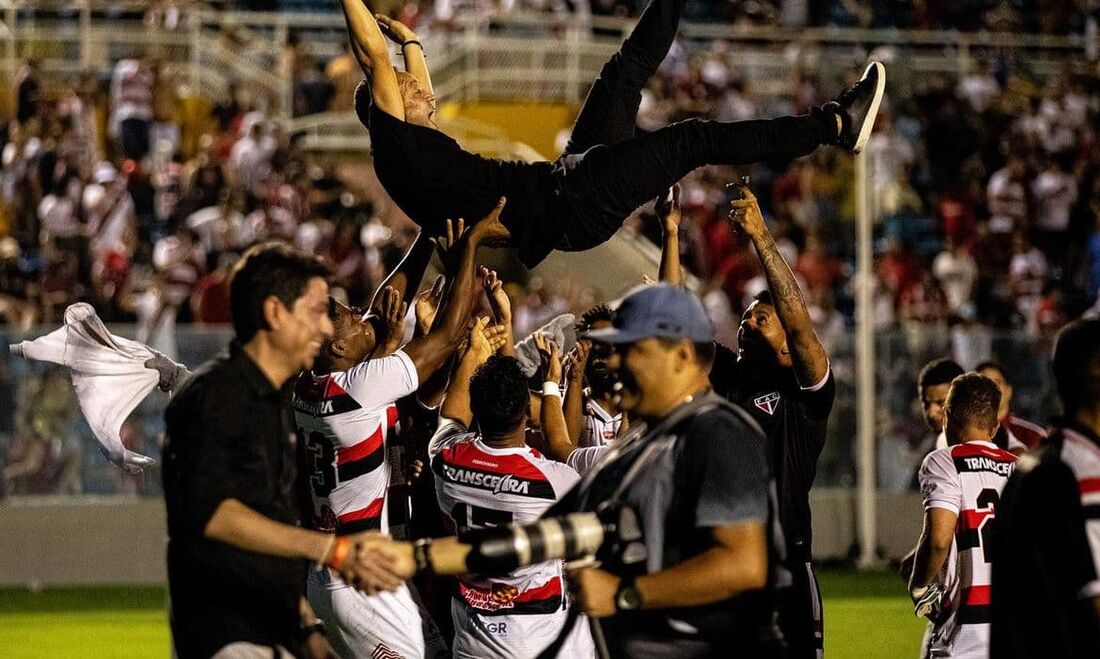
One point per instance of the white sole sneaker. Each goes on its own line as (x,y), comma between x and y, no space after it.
(872,110)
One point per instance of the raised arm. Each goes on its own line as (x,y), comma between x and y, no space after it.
(370,49)
(484,341)
(554,429)
(811,363)
(430,352)
(573,405)
(668,211)
(411,48)
(501,307)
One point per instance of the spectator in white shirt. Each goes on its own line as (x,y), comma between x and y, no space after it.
(979,87)
(1055,193)
(1007,197)
(132,107)
(250,159)
(957,273)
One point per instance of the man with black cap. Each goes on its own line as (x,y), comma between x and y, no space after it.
(695,470)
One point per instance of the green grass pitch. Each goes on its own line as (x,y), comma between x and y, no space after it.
(866,615)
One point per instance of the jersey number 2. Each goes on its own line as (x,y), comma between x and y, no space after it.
(987,500)
(478,517)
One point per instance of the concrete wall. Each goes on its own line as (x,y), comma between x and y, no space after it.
(121,540)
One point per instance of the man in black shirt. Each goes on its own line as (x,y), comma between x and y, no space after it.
(1046,560)
(579,200)
(781,376)
(237,558)
(695,470)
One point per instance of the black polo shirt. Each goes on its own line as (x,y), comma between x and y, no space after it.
(794,420)
(230,436)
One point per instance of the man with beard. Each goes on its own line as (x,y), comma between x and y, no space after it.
(780,374)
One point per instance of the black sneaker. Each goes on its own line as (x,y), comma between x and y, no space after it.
(857,107)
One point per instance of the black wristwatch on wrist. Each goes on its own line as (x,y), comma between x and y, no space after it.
(627,598)
(315,627)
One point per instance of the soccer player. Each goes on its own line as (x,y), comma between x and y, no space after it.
(346,408)
(591,414)
(933,383)
(1046,560)
(491,477)
(961,485)
(781,376)
(1013,428)
(581,199)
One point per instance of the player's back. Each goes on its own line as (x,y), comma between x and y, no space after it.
(480,486)
(967,478)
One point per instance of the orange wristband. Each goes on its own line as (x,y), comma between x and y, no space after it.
(340,551)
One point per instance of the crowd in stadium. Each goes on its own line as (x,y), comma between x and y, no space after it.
(997,168)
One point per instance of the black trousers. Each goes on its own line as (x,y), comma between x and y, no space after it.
(800,614)
(607,172)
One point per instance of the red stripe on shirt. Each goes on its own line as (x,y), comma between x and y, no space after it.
(971,519)
(371,511)
(976,596)
(470,456)
(1089,485)
(362,449)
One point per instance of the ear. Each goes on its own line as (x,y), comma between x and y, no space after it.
(274,313)
(338,348)
(683,355)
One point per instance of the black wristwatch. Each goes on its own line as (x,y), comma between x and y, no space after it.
(315,627)
(627,598)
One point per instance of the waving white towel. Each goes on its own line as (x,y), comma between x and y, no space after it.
(108,373)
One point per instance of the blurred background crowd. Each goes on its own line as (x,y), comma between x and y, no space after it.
(985,187)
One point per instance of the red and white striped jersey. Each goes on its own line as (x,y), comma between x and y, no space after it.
(600,427)
(966,479)
(348,418)
(1082,456)
(480,486)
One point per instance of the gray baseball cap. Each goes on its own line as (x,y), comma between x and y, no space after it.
(656,311)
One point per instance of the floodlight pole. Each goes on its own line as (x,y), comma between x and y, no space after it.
(865,374)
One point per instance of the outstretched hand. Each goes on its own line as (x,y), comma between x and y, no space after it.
(577,361)
(745,213)
(550,354)
(490,231)
(393,314)
(395,30)
(426,305)
(498,298)
(446,245)
(667,207)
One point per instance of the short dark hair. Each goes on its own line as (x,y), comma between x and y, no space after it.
(973,401)
(991,365)
(704,351)
(1074,363)
(498,394)
(593,316)
(764,297)
(265,270)
(938,371)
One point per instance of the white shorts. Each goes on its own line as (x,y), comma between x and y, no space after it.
(516,637)
(969,642)
(360,625)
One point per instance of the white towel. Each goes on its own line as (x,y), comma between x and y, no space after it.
(108,373)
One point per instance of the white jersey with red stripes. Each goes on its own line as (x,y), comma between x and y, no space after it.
(967,480)
(600,426)
(478,486)
(348,419)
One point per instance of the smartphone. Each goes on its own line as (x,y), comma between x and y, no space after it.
(736,189)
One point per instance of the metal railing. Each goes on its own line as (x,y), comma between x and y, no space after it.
(517,56)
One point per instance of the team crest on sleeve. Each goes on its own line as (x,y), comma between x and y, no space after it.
(767,402)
